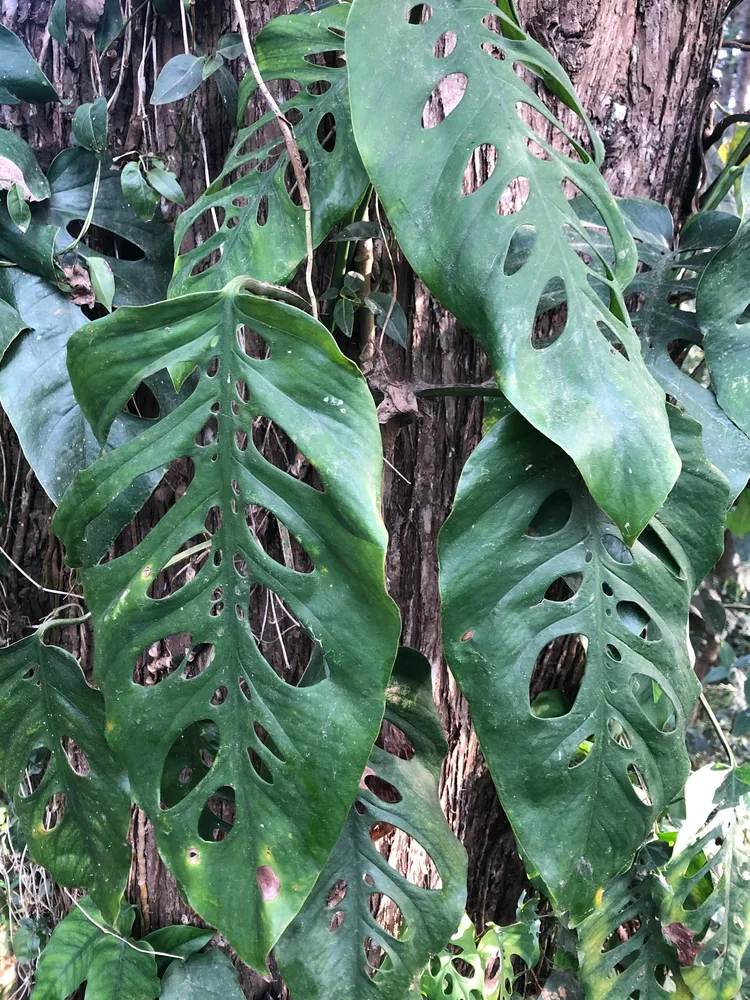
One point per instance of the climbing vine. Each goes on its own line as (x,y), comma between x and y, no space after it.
(248,690)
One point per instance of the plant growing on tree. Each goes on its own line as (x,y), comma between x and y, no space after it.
(593,507)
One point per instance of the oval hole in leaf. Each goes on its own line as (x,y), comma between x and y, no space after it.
(552,315)
(188,761)
(563,588)
(552,515)
(275,445)
(520,249)
(638,783)
(405,855)
(613,652)
(54,811)
(173,578)
(387,914)
(610,335)
(265,738)
(36,768)
(565,657)
(395,741)
(514,197)
(445,44)
(337,920)
(655,704)
(283,642)
(618,733)
(494,50)
(582,752)
(326,132)
(374,956)
(446,95)
(209,433)
(79,762)
(336,893)
(384,790)
(651,540)
(479,168)
(419,14)
(219,815)
(617,549)
(290,179)
(638,621)
(261,215)
(275,540)
(492,23)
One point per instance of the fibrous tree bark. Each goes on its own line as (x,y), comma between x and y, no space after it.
(643,69)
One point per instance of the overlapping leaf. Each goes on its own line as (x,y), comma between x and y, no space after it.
(596,402)
(18,165)
(113,967)
(713,846)
(722,307)
(289,757)
(210,976)
(21,79)
(336,925)
(600,774)
(621,950)
(262,229)
(52,744)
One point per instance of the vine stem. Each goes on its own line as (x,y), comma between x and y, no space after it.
(291,147)
(114,934)
(90,214)
(718,730)
(39,586)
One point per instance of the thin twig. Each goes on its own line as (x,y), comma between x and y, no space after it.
(718,730)
(183,18)
(39,586)
(114,934)
(394,290)
(292,149)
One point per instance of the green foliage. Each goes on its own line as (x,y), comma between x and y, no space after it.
(522,505)
(18,165)
(82,948)
(336,926)
(91,127)
(52,744)
(577,388)
(20,76)
(266,236)
(210,976)
(290,810)
(179,78)
(738,519)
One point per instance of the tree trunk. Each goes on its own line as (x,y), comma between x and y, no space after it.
(643,71)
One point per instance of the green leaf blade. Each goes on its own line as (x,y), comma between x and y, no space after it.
(179,78)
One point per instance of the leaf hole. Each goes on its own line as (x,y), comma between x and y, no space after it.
(261,213)
(374,956)
(381,788)
(638,784)
(479,168)
(617,549)
(282,640)
(220,695)
(253,346)
(582,752)
(185,566)
(275,539)
(552,515)
(54,811)
(35,770)
(188,761)
(446,95)
(214,519)
(406,856)
(535,149)
(209,433)
(493,50)
(613,652)
(337,919)
(395,741)
(265,738)
(218,816)
(564,588)
(520,249)
(419,14)
(336,893)
(387,914)
(607,590)
(551,316)
(514,197)
(617,347)
(240,565)
(326,132)
(618,734)
(445,44)
(557,675)
(655,704)
(79,762)
(651,540)
(638,621)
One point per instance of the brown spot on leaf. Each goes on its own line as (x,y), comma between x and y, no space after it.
(683,940)
(79,280)
(268,882)
(467,635)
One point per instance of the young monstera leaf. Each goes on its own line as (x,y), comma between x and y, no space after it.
(70,795)
(252,831)
(722,308)
(262,232)
(112,966)
(526,558)
(713,847)
(336,927)
(597,402)
(621,949)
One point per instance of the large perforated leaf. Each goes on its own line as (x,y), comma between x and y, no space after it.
(706,890)
(72,798)
(722,306)
(621,950)
(527,557)
(598,403)
(284,759)
(326,951)
(262,229)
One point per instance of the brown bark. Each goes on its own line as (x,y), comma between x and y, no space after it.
(643,70)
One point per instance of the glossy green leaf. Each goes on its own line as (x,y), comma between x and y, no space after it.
(262,229)
(397,326)
(291,796)
(722,307)
(37,396)
(79,950)
(600,774)
(138,192)
(600,405)
(109,26)
(91,126)
(715,842)
(46,702)
(165,182)
(20,76)
(102,281)
(18,165)
(336,924)
(11,324)
(179,939)
(738,519)
(210,976)
(179,78)
(18,209)
(488,979)
(621,950)
(58,22)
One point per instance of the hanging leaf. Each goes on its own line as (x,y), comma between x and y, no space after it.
(281,782)
(58,22)
(713,843)
(179,78)
(489,980)
(165,182)
(78,951)
(102,281)
(600,774)
(621,950)
(179,939)
(336,926)
(20,76)
(54,435)
(70,795)
(18,210)
(109,26)
(231,46)
(262,229)
(203,977)
(91,127)
(722,306)
(18,166)
(597,402)
(138,192)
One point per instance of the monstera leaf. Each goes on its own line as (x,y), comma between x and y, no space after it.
(18,165)
(621,950)
(263,229)
(713,845)
(71,797)
(598,772)
(210,976)
(114,967)
(519,940)
(251,833)
(587,389)
(722,308)
(336,925)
